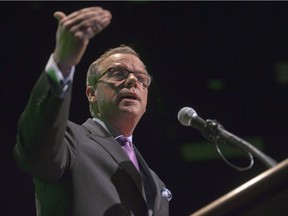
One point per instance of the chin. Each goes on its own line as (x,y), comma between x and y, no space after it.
(131,112)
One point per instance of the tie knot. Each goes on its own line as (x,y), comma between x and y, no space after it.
(123,140)
(127,146)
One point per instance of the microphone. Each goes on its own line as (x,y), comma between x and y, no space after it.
(188,117)
(213,131)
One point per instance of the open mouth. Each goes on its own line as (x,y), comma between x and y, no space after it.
(129,97)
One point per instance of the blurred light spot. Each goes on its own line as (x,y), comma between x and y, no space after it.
(203,151)
(215,84)
(282,72)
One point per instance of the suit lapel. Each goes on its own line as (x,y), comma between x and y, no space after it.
(107,142)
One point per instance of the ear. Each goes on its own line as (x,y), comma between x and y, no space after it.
(91,94)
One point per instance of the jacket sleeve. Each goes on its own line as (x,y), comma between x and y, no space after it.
(41,149)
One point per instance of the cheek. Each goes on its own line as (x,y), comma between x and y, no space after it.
(105,95)
(145,99)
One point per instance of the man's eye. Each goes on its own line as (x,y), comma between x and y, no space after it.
(141,78)
(119,73)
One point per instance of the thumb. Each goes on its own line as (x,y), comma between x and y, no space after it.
(59,15)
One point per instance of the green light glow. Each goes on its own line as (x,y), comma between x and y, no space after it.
(215,84)
(204,150)
(282,72)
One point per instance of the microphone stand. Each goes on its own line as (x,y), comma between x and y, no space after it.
(213,130)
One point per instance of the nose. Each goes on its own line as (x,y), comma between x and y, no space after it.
(130,81)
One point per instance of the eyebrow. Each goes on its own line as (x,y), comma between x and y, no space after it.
(123,66)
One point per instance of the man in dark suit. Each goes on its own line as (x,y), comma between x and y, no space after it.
(83,169)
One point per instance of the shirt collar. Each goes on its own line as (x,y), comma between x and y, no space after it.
(111,130)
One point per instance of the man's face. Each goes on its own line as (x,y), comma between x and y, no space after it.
(119,98)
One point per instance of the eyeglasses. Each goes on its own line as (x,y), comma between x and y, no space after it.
(119,74)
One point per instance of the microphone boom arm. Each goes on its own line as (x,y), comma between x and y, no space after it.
(213,130)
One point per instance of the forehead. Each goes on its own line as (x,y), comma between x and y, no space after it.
(127,60)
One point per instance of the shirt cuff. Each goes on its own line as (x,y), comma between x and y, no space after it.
(58,83)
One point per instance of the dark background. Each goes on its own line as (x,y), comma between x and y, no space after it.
(221,58)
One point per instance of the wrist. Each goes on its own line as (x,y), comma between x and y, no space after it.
(64,68)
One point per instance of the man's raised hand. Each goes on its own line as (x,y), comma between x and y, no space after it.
(74,32)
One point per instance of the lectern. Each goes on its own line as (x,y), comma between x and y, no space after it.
(263,195)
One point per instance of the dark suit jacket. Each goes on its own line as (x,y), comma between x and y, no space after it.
(80,169)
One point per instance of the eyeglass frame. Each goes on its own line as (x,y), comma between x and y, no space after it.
(129,72)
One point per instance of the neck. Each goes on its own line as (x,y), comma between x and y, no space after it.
(120,126)
(126,127)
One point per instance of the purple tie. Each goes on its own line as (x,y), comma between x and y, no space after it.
(128,148)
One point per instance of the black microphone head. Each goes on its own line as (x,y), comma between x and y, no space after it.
(185,115)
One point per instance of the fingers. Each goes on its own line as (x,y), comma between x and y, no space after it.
(89,20)
(83,11)
(59,15)
(75,31)
(93,21)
